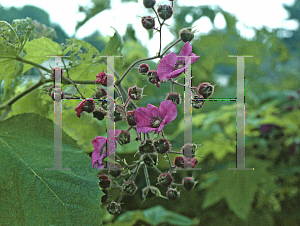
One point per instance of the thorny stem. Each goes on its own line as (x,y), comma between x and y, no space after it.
(146,175)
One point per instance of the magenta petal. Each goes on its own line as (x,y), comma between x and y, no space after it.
(175,73)
(95,157)
(194,59)
(166,65)
(142,117)
(100,166)
(186,49)
(145,129)
(98,142)
(168,108)
(153,109)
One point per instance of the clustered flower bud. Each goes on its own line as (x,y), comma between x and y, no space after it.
(164,11)
(180,161)
(146,146)
(143,68)
(205,89)
(129,187)
(118,113)
(135,93)
(153,78)
(123,137)
(130,118)
(165,179)
(89,106)
(149,159)
(99,114)
(189,150)
(173,194)
(174,97)
(102,78)
(150,192)
(186,34)
(149,3)
(188,183)
(113,208)
(116,171)
(198,101)
(162,146)
(148,22)
(104,198)
(104,181)
(100,92)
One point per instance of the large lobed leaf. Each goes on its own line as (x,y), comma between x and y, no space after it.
(31,195)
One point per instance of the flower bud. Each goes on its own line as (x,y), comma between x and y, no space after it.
(148,22)
(53,73)
(179,162)
(89,105)
(143,68)
(188,150)
(162,146)
(116,171)
(205,89)
(186,34)
(104,198)
(118,114)
(191,162)
(135,93)
(107,103)
(100,92)
(104,181)
(149,3)
(130,118)
(129,187)
(198,101)
(174,97)
(149,159)
(113,208)
(123,137)
(146,146)
(165,11)
(99,114)
(188,183)
(102,78)
(153,78)
(165,179)
(150,192)
(173,194)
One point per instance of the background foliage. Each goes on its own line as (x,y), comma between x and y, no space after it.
(269,195)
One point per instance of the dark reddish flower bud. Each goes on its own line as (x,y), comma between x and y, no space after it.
(188,183)
(189,150)
(143,68)
(173,194)
(104,181)
(205,89)
(99,114)
(100,92)
(186,34)
(102,78)
(123,137)
(129,187)
(289,108)
(53,73)
(116,171)
(113,208)
(148,22)
(149,159)
(135,93)
(191,162)
(179,162)
(174,97)
(130,118)
(150,192)
(104,198)
(118,113)
(165,11)
(198,101)
(165,179)
(146,146)
(89,106)
(162,146)
(153,78)
(149,3)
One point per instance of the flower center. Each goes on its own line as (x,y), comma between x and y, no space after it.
(155,121)
(179,64)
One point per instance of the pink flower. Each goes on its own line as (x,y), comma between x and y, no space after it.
(172,66)
(102,78)
(87,105)
(154,119)
(100,145)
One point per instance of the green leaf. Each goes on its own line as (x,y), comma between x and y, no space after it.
(114,46)
(155,216)
(239,186)
(37,49)
(31,195)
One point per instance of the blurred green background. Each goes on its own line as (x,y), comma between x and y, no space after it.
(269,195)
